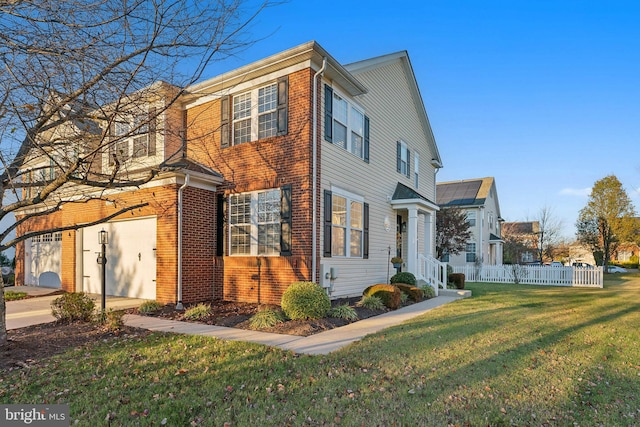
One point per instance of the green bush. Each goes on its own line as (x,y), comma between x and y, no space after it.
(73,306)
(266,318)
(412,292)
(149,307)
(343,312)
(389,294)
(457,279)
(13,296)
(305,300)
(428,292)
(197,312)
(371,302)
(403,277)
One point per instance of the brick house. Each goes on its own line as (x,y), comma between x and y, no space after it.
(294,167)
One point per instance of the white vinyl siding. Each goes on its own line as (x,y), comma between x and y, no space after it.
(392,117)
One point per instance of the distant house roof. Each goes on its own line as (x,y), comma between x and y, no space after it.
(466,192)
(526,227)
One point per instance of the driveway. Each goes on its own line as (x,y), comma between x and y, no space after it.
(33,311)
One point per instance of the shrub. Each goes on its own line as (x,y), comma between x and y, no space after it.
(12,295)
(371,302)
(113,320)
(403,277)
(197,312)
(266,318)
(73,306)
(343,312)
(457,279)
(389,294)
(149,307)
(403,298)
(305,300)
(428,292)
(412,292)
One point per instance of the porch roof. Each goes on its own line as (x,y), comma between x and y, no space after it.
(404,196)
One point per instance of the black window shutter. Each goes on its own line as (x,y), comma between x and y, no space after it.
(283,102)
(408,163)
(152,130)
(328,113)
(327,223)
(399,155)
(225,122)
(365,234)
(220,225)
(285,220)
(112,147)
(366,139)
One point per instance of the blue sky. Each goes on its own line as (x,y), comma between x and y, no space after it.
(542,95)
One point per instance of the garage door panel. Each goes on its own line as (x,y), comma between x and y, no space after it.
(131,263)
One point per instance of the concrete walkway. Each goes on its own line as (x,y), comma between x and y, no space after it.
(321,343)
(33,311)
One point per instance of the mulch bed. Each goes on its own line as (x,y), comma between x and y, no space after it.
(237,315)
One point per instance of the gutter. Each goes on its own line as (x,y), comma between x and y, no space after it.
(179,305)
(314,238)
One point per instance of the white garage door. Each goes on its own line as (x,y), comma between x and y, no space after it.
(131,258)
(42,260)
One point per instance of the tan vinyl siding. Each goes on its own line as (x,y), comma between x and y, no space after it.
(392,117)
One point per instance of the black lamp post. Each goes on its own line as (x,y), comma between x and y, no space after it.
(103,239)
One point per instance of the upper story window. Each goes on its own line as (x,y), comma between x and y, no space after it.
(345,124)
(260,222)
(134,136)
(403,158)
(257,114)
(490,220)
(471,218)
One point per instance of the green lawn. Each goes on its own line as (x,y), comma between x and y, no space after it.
(511,355)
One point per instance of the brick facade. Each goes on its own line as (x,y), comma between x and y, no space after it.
(263,164)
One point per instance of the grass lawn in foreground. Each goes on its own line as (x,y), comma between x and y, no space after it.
(511,355)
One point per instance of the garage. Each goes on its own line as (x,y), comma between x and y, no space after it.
(43,260)
(131,258)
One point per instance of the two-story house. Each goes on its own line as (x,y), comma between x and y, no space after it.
(294,167)
(479,199)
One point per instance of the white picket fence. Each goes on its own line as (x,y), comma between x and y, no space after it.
(534,275)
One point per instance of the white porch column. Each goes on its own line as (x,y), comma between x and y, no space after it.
(412,233)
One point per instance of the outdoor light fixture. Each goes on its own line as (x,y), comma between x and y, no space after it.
(103,237)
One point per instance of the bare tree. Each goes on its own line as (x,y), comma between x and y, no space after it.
(78,77)
(548,234)
(452,231)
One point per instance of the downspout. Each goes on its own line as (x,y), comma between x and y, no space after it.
(179,305)
(314,221)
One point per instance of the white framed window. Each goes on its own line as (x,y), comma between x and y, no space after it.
(249,123)
(471,252)
(347,225)
(490,219)
(416,170)
(471,218)
(254,223)
(346,124)
(403,158)
(133,135)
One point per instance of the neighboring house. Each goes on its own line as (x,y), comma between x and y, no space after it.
(580,254)
(626,252)
(295,167)
(523,237)
(479,198)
